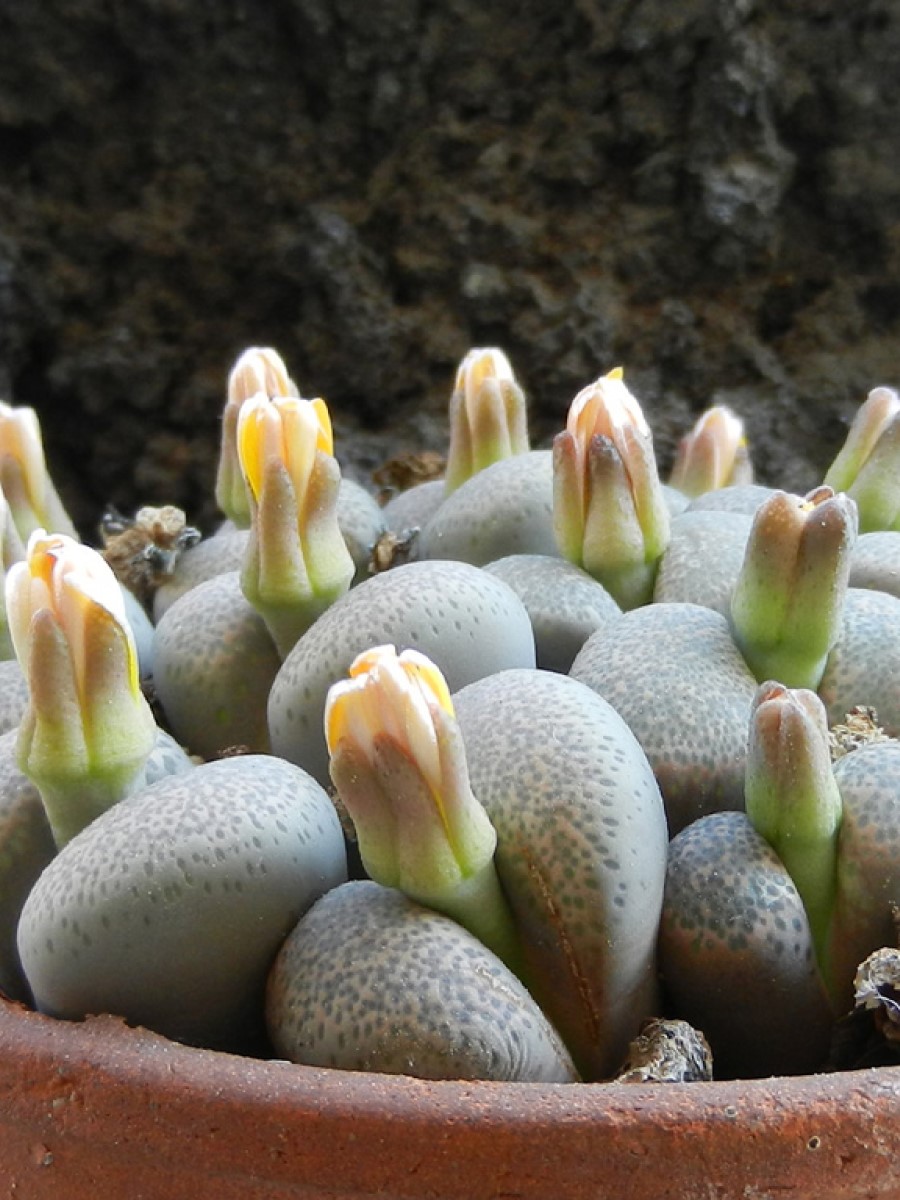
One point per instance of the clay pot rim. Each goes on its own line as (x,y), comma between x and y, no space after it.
(112,1086)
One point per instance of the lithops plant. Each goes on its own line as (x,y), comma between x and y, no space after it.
(488,419)
(169,909)
(581,851)
(26,847)
(214,663)
(863,666)
(610,515)
(413,508)
(369,980)
(740,497)
(875,561)
(675,675)
(564,603)
(703,559)
(736,953)
(212,556)
(750,898)
(469,623)
(506,508)
(868,870)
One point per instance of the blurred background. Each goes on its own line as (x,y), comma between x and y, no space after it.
(707,193)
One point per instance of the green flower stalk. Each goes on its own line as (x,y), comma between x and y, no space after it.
(87,731)
(792,798)
(258,369)
(399,766)
(867,466)
(488,420)
(24,479)
(788,601)
(297,562)
(609,513)
(713,455)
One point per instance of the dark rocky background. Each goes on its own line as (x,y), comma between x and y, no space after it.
(707,192)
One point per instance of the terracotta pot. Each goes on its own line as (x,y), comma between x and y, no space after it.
(99,1110)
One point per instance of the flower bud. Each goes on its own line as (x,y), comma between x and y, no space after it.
(488,420)
(609,512)
(258,369)
(788,602)
(713,455)
(867,467)
(88,729)
(297,561)
(24,479)
(792,797)
(399,766)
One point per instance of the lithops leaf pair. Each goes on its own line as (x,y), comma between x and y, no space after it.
(736,952)
(170,909)
(703,559)
(469,623)
(768,913)
(27,844)
(524,808)
(674,674)
(565,604)
(581,851)
(750,898)
(863,666)
(868,864)
(214,663)
(506,508)
(371,981)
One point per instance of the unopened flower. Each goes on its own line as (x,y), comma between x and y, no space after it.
(713,455)
(24,478)
(257,369)
(297,561)
(88,729)
(399,766)
(792,797)
(488,420)
(788,601)
(867,466)
(609,512)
